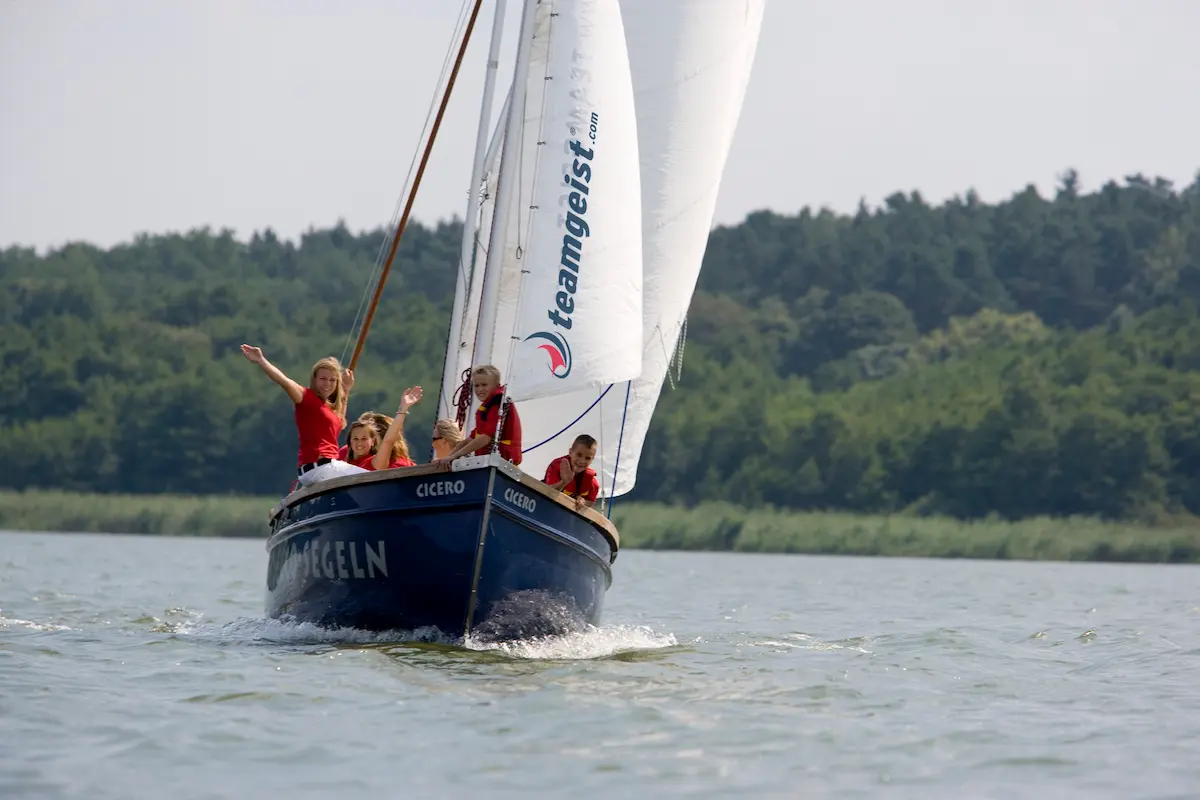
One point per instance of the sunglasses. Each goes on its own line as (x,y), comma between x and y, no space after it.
(438,438)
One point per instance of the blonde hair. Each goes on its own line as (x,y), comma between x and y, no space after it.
(337,399)
(362,423)
(488,370)
(381,423)
(448,429)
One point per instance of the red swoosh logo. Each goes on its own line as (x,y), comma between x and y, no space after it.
(556,359)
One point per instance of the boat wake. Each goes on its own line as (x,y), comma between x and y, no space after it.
(13,622)
(592,643)
(584,643)
(527,629)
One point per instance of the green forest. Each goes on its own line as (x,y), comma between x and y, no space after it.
(1038,356)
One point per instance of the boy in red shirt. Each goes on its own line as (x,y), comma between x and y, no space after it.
(573,474)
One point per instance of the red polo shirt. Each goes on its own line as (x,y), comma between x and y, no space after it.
(318,427)
(367,462)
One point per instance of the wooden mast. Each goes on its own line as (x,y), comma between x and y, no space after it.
(387,265)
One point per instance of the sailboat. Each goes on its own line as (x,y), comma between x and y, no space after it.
(588,216)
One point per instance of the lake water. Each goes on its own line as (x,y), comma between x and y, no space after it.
(142,667)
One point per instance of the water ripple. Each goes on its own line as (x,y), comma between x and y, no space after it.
(152,671)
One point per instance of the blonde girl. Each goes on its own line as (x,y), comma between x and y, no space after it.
(320,410)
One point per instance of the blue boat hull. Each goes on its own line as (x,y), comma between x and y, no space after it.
(487,552)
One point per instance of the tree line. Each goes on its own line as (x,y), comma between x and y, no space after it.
(1034,356)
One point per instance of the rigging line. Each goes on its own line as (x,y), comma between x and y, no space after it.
(460,399)
(379,257)
(478,195)
(477,259)
(362,336)
(662,342)
(567,427)
(447,62)
(453,322)
(681,345)
(457,329)
(612,494)
(676,357)
(601,451)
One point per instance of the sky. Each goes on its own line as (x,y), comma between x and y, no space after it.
(155,116)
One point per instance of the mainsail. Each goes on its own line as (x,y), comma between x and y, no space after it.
(689,64)
(581,295)
(569,303)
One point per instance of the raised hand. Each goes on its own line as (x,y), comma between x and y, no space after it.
(348,379)
(253,354)
(411,397)
(564,470)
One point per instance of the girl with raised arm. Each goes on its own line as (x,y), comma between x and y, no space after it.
(393,450)
(320,414)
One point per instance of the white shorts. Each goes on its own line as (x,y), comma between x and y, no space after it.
(334,469)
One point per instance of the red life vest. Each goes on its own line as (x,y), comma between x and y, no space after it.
(585,484)
(510,435)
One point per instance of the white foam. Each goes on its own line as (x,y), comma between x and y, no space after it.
(592,643)
(802,641)
(12,622)
(286,631)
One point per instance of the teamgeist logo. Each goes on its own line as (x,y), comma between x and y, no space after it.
(575,224)
(559,351)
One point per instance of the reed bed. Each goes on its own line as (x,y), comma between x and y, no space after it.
(709,526)
(163,514)
(721,526)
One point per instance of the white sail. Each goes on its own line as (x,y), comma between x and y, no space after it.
(576,322)
(515,181)
(461,321)
(690,62)
(469,285)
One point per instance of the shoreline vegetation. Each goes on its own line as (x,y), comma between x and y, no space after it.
(713,526)
(1008,380)
(1034,357)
